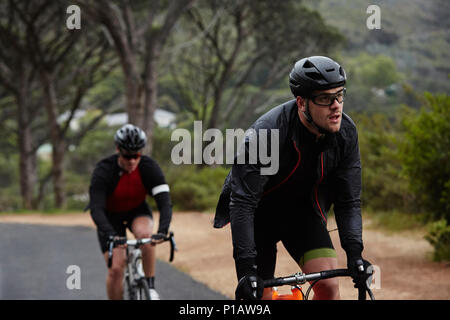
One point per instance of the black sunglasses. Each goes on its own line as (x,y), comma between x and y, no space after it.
(326,100)
(130,156)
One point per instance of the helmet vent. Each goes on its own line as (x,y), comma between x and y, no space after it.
(313,75)
(329,70)
(308,64)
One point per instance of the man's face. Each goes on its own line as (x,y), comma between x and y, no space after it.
(327,117)
(129,161)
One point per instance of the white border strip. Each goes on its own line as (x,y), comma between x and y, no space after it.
(160,188)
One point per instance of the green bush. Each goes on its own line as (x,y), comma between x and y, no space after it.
(426,154)
(10,199)
(439,237)
(193,188)
(383,186)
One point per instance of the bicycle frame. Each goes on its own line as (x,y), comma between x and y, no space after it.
(134,275)
(296,294)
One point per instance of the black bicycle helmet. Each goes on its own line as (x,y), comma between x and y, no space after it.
(315,73)
(130,138)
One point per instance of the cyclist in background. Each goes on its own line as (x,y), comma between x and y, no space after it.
(319,165)
(119,186)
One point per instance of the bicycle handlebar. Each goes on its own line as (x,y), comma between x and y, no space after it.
(301,278)
(114,241)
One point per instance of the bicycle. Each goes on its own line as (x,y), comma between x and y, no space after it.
(135,284)
(301,278)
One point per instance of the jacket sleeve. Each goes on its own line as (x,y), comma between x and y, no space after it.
(247,184)
(347,200)
(159,189)
(97,196)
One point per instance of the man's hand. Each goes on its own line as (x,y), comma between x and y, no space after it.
(360,271)
(250,287)
(119,242)
(158,238)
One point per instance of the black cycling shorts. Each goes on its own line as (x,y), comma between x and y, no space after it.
(120,221)
(304,235)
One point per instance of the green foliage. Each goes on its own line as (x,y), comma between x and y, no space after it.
(384,187)
(195,189)
(104,95)
(426,154)
(76,190)
(377,71)
(395,220)
(439,237)
(373,83)
(10,199)
(9,169)
(81,160)
(162,146)
(413,32)
(9,188)
(96,145)
(245,53)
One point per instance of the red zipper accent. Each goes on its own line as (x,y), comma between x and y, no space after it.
(317,187)
(290,174)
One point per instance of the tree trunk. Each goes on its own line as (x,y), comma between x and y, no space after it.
(58,174)
(27,162)
(27,165)
(133,99)
(151,96)
(141,95)
(57,141)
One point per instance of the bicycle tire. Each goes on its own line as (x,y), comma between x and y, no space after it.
(128,292)
(142,290)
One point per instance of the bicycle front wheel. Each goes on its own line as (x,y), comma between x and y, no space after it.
(142,290)
(128,290)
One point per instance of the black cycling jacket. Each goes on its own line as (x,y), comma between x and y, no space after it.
(104,180)
(338,183)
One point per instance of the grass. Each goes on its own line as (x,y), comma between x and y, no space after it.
(395,221)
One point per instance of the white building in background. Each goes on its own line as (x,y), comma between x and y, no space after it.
(162,118)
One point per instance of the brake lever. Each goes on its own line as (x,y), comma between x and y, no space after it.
(110,253)
(173,246)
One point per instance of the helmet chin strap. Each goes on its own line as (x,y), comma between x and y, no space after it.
(311,121)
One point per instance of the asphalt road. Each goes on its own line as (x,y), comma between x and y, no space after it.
(35,263)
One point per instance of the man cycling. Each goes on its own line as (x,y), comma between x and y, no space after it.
(119,186)
(319,165)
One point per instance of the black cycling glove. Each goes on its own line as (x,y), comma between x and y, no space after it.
(159,236)
(360,271)
(250,285)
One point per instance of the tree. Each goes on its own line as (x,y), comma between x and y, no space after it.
(139,30)
(239,53)
(378,71)
(18,76)
(63,64)
(426,154)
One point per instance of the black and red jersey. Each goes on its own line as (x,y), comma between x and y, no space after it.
(128,194)
(114,190)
